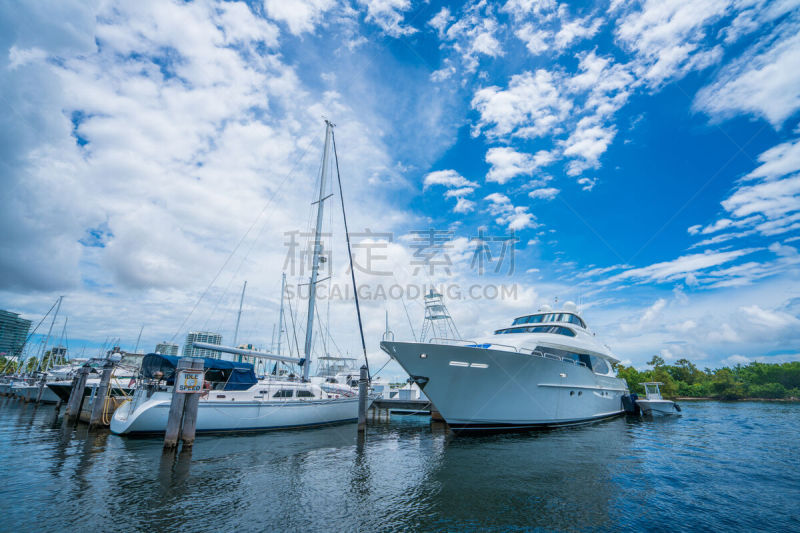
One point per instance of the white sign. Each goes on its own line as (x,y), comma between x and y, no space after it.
(190,381)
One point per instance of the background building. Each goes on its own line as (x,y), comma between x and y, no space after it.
(201,336)
(13,332)
(167,348)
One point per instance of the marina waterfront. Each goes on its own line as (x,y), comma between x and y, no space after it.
(720,466)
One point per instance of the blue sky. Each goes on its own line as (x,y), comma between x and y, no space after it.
(646,156)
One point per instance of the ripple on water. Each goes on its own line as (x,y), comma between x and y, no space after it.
(725,466)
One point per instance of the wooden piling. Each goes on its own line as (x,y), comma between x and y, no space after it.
(96,418)
(75,401)
(182,418)
(175,417)
(362,399)
(42,385)
(191,404)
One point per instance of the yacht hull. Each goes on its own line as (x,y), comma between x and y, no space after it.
(150,416)
(478,388)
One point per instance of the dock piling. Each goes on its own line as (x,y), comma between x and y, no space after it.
(190,409)
(75,401)
(96,418)
(182,418)
(362,399)
(42,385)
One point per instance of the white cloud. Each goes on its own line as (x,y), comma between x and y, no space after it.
(507,163)
(389,15)
(440,21)
(535,39)
(588,141)
(532,106)
(650,316)
(778,161)
(523,8)
(587,183)
(679,268)
(464,205)
(764,81)
(300,15)
(575,30)
(545,193)
(457,193)
(514,218)
(448,178)
(667,37)
(473,35)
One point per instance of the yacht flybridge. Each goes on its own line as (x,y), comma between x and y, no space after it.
(545,369)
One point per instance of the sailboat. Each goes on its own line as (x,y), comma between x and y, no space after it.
(234,399)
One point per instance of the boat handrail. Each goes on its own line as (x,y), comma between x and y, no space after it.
(537,353)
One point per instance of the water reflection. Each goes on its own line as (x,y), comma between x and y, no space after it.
(408,474)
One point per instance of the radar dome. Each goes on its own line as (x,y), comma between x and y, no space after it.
(545,308)
(570,306)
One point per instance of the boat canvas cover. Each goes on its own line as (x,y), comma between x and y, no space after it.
(239,376)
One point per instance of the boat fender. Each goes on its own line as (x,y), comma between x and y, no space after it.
(677,407)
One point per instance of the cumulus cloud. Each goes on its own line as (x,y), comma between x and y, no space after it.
(515,218)
(544,193)
(506,163)
(448,178)
(299,15)
(530,107)
(667,37)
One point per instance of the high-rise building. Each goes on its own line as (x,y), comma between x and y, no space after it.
(167,348)
(13,333)
(201,336)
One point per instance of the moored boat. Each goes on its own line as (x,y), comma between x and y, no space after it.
(546,369)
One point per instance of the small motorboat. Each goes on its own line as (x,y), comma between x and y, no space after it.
(653,404)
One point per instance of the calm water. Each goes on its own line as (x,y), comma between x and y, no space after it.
(722,466)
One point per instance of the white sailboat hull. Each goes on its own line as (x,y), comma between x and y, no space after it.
(232,415)
(479,388)
(30,392)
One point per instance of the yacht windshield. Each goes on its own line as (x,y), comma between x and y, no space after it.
(558,330)
(550,317)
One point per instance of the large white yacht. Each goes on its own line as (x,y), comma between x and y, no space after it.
(545,369)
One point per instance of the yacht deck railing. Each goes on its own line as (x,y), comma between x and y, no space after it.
(508,348)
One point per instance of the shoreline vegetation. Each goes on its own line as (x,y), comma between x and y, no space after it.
(684,381)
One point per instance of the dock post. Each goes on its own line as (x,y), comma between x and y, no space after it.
(98,406)
(75,401)
(362,399)
(175,417)
(42,385)
(190,408)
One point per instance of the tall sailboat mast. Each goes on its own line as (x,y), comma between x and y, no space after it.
(239,315)
(49,332)
(280,316)
(312,286)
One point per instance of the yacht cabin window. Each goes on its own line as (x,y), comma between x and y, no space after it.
(558,330)
(599,365)
(283,393)
(550,317)
(305,394)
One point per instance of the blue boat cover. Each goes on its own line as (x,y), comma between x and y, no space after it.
(236,376)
